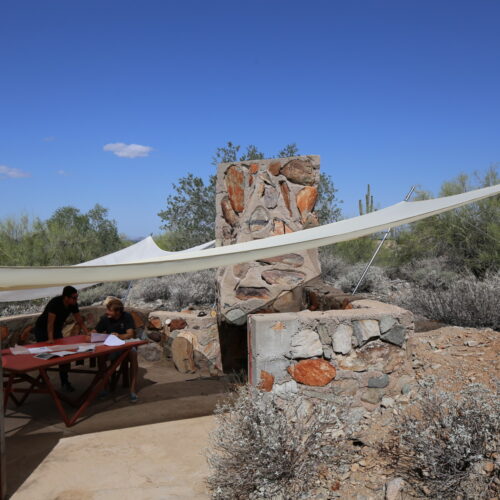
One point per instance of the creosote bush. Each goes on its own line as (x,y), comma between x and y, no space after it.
(264,447)
(442,442)
(467,301)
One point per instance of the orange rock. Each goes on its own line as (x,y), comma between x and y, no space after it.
(266,381)
(254,168)
(229,214)
(177,324)
(278,227)
(306,199)
(274,167)
(315,372)
(235,188)
(288,229)
(251,292)
(310,221)
(154,323)
(285,192)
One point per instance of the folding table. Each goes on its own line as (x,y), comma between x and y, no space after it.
(17,367)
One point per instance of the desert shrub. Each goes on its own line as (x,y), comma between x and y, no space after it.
(332,266)
(467,301)
(431,273)
(264,447)
(22,307)
(439,445)
(178,290)
(374,281)
(98,293)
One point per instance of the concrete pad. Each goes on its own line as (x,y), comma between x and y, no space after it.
(159,461)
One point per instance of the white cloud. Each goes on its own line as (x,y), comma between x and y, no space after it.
(127,150)
(62,172)
(12,173)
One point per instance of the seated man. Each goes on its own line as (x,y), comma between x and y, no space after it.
(120,323)
(49,325)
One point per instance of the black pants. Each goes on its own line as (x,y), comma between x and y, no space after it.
(42,336)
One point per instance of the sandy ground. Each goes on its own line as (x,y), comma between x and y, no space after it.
(162,436)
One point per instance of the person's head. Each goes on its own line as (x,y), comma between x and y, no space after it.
(70,295)
(114,309)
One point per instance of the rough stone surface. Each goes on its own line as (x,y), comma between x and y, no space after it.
(286,388)
(365,330)
(150,352)
(379,382)
(289,259)
(299,172)
(279,277)
(235,187)
(314,372)
(396,335)
(305,344)
(342,339)
(177,324)
(393,489)
(386,323)
(182,355)
(257,201)
(306,199)
(372,396)
(266,381)
(228,212)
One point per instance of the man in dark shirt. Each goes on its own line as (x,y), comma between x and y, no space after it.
(120,323)
(49,324)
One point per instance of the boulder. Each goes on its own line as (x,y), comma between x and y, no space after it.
(379,382)
(285,193)
(228,212)
(313,372)
(289,259)
(274,168)
(182,355)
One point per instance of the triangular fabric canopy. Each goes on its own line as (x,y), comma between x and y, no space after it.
(142,250)
(17,278)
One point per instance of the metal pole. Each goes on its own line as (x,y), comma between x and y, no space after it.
(407,197)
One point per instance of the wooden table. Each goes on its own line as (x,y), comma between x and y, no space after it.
(17,368)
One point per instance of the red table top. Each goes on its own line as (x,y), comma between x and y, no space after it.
(27,362)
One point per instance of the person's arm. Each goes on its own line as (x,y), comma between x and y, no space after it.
(81,323)
(51,318)
(129,334)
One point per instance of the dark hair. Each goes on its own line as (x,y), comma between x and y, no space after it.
(68,291)
(115,305)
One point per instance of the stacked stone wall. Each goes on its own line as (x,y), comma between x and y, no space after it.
(358,352)
(255,200)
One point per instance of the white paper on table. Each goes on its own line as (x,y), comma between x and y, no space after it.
(86,348)
(19,349)
(113,340)
(38,350)
(98,337)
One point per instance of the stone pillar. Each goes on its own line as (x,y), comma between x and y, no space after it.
(258,199)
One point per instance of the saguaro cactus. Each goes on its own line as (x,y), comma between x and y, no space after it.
(368,203)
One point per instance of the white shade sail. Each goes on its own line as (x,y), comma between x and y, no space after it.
(18,278)
(144,249)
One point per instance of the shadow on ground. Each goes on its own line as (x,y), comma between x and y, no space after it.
(35,428)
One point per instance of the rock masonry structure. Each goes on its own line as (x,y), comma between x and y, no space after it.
(357,352)
(254,200)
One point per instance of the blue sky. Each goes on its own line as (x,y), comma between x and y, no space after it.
(391,93)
